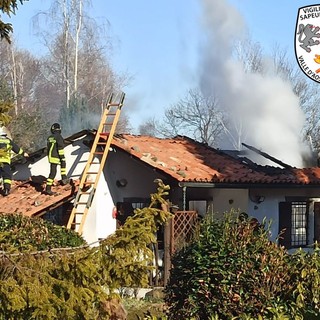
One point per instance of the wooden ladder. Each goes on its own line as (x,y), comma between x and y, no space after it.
(94,166)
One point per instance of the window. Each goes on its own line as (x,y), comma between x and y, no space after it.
(126,208)
(299,224)
(293,224)
(138,203)
(198,205)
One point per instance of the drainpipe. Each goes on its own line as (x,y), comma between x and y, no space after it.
(184,192)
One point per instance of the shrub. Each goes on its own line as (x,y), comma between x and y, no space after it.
(305,268)
(233,271)
(74,283)
(20,233)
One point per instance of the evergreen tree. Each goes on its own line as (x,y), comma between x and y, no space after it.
(30,130)
(74,282)
(8,7)
(6,103)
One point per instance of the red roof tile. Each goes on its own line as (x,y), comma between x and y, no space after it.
(28,199)
(189,161)
(182,158)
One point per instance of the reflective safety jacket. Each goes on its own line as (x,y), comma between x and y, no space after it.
(6,148)
(55,148)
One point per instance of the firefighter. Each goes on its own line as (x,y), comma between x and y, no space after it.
(6,147)
(55,153)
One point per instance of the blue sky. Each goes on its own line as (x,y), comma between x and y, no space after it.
(158,42)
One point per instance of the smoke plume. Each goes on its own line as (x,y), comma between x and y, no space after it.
(263,109)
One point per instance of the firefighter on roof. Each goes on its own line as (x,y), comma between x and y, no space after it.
(55,153)
(6,148)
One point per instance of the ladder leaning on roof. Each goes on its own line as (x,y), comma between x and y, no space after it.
(94,166)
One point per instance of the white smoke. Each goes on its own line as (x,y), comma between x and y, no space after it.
(263,108)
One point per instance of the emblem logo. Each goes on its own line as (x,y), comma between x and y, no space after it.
(307,41)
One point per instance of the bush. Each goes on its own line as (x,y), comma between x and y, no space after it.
(144,309)
(233,271)
(74,283)
(305,268)
(20,233)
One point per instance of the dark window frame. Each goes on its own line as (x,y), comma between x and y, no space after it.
(137,202)
(289,213)
(299,221)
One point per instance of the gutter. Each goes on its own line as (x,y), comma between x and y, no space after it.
(196,185)
(185,185)
(247,185)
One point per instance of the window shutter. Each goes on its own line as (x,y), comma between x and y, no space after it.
(285,224)
(317,221)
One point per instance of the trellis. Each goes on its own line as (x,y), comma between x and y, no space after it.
(178,233)
(183,228)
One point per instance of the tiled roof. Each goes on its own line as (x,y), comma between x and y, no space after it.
(27,197)
(181,158)
(189,161)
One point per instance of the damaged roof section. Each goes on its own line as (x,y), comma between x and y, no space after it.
(182,158)
(267,156)
(189,161)
(27,197)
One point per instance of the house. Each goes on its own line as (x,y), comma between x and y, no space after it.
(202,179)
(208,180)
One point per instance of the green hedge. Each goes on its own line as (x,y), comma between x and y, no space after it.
(233,271)
(20,233)
(74,283)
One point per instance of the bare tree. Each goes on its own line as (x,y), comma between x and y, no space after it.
(64,16)
(194,115)
(150,128)
(76,71)
(250,55)
(28,74)
(200,115)
(21,71)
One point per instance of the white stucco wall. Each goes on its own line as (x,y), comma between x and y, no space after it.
(105,223)
(226,199)
(76,157)
(139,177)
(268,209)
(220,201)
(99,222)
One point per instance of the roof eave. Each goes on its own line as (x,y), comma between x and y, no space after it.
(190,184)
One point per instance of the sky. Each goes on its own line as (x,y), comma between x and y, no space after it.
(171,46)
